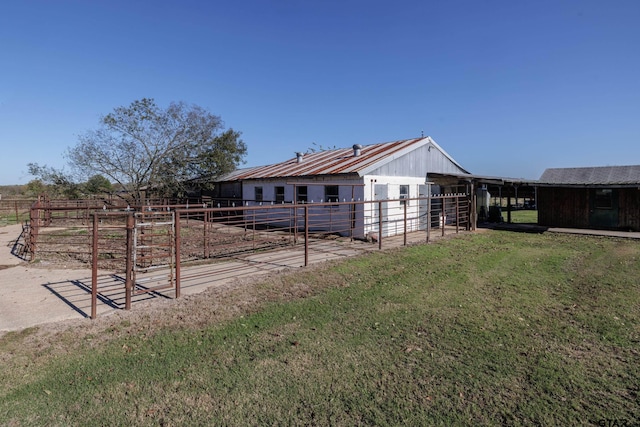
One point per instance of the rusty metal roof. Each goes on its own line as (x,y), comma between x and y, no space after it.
(333,162)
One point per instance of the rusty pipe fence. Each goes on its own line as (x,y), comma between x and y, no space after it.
(152,247)
(14,211)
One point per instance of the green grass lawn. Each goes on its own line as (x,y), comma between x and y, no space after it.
(523,216)
(494,328)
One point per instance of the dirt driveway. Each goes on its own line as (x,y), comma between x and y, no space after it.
(40,293)
(35,294)
(27,293)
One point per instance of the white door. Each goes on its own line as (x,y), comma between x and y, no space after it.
(381,192)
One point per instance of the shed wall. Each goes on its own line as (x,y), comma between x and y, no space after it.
(629,208)
(570,207)
(563,207)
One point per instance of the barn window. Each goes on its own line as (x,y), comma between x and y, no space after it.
(604,198)
(404,193)
(258,194)
(301,194)
(331,193)
(279,194)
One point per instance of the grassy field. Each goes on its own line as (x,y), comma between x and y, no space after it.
(494,328)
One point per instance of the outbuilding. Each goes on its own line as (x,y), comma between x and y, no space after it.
(386,171)
(606,197)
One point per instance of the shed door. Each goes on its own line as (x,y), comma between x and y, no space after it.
(423,206)
(381,193)
(603,208)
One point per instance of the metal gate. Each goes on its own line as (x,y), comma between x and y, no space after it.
(153,252)
(149,255)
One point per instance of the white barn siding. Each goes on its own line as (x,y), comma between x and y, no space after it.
(418,162)
(368,173)
(380,187)
(332,218)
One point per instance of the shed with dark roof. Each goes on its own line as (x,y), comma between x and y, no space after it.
(605,197)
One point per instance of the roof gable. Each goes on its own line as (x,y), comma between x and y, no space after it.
(601,175)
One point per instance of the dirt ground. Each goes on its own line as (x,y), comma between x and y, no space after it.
(51,292)
(26,298)
(35,296)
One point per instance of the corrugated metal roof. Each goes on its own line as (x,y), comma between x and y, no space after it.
(334,162)
(601,175)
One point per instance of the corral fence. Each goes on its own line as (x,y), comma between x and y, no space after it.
(14,210)
(151,247)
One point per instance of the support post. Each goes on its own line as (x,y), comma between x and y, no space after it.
(473,209)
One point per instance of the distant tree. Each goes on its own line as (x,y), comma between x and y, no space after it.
(143,146)
(35,187)
(98,184)
(57,182)
(12,190)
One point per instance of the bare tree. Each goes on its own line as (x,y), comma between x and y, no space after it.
(144,146)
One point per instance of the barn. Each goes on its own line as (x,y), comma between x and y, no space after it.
(385,171)
(606,197)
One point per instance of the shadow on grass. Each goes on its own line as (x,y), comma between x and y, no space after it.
(515,227)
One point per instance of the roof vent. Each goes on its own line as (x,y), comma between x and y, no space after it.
(356,150)
(299,156)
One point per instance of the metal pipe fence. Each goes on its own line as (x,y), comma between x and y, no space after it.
(153,247)
(14,211)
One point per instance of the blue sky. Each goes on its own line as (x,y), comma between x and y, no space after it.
(508,88)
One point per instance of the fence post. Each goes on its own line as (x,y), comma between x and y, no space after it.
(352,216)
(94,268)
(457,214)
(405,221)
(306,235)
(428,217)
(177,249)
(380,225)
(33,229)
(47,212)
(206,237)
(129,263)
(443,217)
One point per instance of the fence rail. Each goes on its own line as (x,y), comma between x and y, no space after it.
(14,211)
(152,244)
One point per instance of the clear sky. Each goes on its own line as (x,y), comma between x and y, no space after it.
(508,88)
